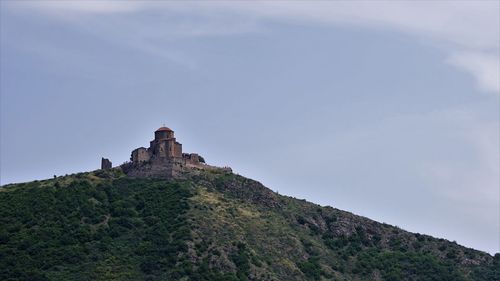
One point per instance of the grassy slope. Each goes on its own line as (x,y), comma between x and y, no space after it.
(290,239)
(213,226)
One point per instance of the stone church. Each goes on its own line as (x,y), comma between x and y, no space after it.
(163,158)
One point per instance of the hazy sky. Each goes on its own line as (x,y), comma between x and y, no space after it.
(386,109)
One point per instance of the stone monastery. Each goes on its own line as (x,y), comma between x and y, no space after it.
(163,158)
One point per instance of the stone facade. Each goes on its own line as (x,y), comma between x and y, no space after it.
(140,155)
(106,164)
(191,158)
(164,158)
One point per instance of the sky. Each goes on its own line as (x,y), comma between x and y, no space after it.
(389,110)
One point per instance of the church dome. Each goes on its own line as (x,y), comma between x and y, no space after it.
(161,129)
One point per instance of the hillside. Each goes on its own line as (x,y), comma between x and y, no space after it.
(213,225)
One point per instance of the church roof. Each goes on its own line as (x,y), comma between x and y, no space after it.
(164,129)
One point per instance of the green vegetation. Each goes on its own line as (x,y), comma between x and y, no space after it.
(121,229)
(311,268)
(212,226)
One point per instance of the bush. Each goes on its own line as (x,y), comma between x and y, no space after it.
(311,268)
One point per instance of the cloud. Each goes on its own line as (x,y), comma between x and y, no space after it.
(484,66)
(67,8)
(468,32)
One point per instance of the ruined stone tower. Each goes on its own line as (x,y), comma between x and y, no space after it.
(106,164)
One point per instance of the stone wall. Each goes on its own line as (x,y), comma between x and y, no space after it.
(163,135)
(140,154)
(178,150)
(191,158)
(167,168)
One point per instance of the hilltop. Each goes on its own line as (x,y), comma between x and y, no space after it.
(209,225)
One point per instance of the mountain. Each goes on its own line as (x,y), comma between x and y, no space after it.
(211,225)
